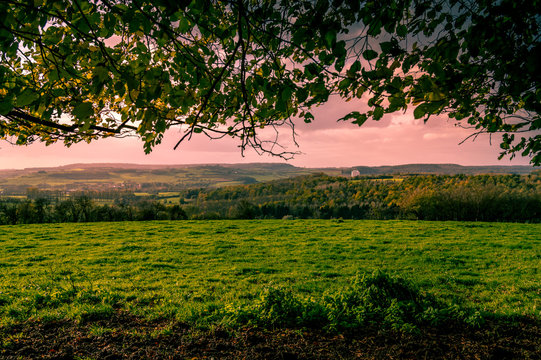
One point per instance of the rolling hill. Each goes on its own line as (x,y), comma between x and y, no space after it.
(136,177)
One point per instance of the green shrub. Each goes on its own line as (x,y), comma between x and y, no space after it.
(375,299)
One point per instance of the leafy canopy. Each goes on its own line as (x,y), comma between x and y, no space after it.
(77,70)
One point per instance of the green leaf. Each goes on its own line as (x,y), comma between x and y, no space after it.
(308,117)
(281,105)
(359,118)
(339,64)
(310,71)
(101,73)
(110,21)
(401,30)
(83,110)
(375,28)
(344,84)
(160,125)
(360,91)
(183,25)
(409,62)
(27,97)
(302,95)
(286,93)
(436,95)
(356,66)
(386,47)
(5,106)
(378,113)
(370,54)
(433,107)
(419,112)
(330,38)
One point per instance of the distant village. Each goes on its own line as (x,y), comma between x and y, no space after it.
(107,190)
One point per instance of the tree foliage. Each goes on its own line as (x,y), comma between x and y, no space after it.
(423,197)
(427,197)
(77,70)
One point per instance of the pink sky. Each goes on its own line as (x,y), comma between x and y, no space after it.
(396,139)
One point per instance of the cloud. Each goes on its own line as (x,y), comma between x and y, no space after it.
(436,136)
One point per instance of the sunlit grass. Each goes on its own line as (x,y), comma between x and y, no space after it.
(185,269)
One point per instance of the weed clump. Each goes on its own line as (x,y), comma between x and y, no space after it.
(371,300)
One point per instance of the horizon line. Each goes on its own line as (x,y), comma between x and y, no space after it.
(106,164)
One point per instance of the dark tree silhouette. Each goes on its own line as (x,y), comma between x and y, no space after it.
(77,70)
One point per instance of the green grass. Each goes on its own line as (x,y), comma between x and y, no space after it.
(186,269)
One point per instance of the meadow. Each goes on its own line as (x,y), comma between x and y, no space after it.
(191,270)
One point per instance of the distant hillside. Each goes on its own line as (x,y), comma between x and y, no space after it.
(152,178)
(444,169)
(142,178)
(165,166)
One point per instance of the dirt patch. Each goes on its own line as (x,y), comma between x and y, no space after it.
(127,337)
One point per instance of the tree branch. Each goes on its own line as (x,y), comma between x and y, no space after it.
(17,114)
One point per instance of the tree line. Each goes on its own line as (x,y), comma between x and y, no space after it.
(85,209)
(428,197)
(423,197)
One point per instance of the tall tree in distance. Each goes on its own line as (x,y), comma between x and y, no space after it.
(78,70)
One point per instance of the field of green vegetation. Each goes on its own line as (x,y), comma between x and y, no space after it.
(209,272)
(145,178)
(153,179)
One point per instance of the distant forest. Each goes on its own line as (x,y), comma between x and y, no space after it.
(515,198)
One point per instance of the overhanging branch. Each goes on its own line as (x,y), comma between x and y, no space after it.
(15,115)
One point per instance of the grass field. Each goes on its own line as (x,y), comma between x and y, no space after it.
(186,269)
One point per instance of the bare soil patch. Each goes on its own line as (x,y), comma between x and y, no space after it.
(124,336)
